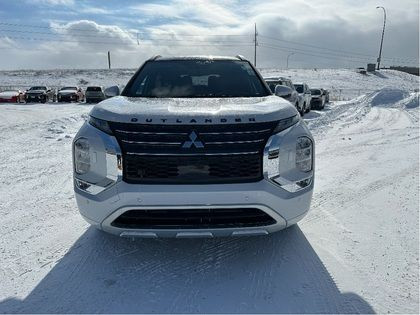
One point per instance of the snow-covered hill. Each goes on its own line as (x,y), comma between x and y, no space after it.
(356,252)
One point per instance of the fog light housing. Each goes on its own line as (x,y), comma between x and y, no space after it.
(304,150)
(292,186)
(81,156)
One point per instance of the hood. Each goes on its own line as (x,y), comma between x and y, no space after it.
(193,110)
(36,92)
(9,94)
(67,91)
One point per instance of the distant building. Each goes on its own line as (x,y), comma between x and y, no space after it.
(371,67)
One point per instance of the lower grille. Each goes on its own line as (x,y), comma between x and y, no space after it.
(193,218)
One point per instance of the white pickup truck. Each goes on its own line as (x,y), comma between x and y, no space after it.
(193,147)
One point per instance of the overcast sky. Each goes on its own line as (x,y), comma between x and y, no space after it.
(47,34)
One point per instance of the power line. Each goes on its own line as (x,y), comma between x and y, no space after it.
(113,38)
(302,51)
(119,30)
(121,43)
(313,55)
(333,50)
(323,54)
(155,37)
(132,38)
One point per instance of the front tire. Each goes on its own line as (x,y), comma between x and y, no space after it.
(301,110)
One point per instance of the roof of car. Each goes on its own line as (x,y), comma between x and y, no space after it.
(197,58)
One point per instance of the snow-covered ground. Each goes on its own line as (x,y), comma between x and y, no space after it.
(356,252)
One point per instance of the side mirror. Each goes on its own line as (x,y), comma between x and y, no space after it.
(112,91)
(283,91)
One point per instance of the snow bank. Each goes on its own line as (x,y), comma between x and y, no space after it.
(388,96)
(412,101)
(395,98)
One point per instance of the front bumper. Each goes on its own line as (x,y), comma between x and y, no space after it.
(35,98)
(101,203)
(68,98)
(285,207)
(317,102)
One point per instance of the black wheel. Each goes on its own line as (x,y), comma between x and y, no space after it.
(301,111)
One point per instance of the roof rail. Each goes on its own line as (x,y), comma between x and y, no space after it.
(240,57)
(154,57)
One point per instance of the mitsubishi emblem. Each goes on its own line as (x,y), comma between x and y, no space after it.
(193,141)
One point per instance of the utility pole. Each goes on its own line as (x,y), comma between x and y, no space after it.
(287,60)
(109,60)
(382,38)
(255,45)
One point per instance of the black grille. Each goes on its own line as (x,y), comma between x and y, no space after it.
(193,218)
(154,154)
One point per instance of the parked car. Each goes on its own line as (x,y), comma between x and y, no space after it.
(168,158)
(293,97)
(70,94)
(305,94)
(12,96)
(318,99)
(94,94)
(41,94)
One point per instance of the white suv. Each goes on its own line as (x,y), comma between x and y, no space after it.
(292,97)
(305,95)
(194,147)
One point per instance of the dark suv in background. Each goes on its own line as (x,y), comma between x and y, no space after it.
(94,94)
(318,99)
(40,94)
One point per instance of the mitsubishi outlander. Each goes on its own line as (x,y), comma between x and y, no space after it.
(194,147)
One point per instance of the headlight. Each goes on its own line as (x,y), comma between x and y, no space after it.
(286,123)
(304,154)
(100,124)
(81,156)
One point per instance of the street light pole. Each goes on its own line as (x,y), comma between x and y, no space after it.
(287,60)
(382,38)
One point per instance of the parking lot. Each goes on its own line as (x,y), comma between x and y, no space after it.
(356,251)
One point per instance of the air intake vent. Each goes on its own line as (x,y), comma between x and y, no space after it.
(193,218)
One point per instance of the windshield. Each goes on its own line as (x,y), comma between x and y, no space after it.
(299,88)
(37,88)
(196,78)
(315,92)
(94,89)
(68,88)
